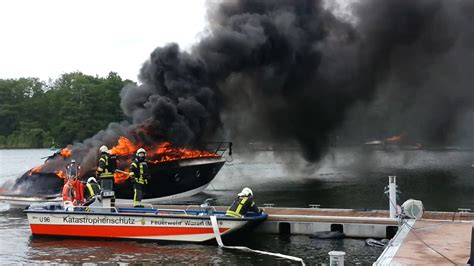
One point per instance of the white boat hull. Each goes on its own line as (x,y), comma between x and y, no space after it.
(177,226)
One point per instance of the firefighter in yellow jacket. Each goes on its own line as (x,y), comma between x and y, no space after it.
(139,175)
(91,191)
(106,169)
(242,204)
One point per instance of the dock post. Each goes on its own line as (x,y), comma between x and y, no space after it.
(471,257)
(336,258)
(392,195)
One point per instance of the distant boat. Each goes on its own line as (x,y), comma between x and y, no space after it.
(382,145)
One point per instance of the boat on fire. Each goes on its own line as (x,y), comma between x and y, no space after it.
(170,179)
(194,224)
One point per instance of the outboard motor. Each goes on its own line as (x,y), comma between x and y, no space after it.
(207,207)
(107,196)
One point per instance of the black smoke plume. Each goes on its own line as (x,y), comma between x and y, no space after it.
(427,91)
(291,71)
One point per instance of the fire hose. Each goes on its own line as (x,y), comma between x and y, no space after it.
(215,228)
(121,171)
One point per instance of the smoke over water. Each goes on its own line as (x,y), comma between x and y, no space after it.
(290,71)
(426,90)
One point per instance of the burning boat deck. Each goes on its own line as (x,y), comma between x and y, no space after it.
(175,173)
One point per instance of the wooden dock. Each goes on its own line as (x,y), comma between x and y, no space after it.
(429,242)
(353,223)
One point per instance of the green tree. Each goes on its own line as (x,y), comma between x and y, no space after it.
(71,108)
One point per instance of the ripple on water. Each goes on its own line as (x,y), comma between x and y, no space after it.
(18,246)
(436,177)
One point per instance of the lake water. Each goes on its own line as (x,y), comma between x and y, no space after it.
(346,178)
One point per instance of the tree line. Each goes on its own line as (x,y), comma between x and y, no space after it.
(40,114)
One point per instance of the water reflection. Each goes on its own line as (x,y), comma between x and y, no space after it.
(102,251)
(77,251)
(47,250)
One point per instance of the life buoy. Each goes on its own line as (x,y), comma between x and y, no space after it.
(73,191)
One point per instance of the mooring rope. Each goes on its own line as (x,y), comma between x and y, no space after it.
(215,228)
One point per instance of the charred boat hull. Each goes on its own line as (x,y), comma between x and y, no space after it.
(169,180)
(174,178)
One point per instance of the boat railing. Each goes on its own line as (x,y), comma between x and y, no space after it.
(128,205)
(218,148)
(158,211)
(197,209)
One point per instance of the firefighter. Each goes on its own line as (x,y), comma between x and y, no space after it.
(139,175)
(106,169)
(242,204)
(91,190)
(73,169)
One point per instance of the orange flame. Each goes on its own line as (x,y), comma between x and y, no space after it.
(66,153)
(395,139)
(156,154)
(61,174)
(169,153)
(124,147)
(36,169)
(161,153)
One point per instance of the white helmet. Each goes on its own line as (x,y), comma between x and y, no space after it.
(246,192)
(104,148)
(141,150)
(91,179)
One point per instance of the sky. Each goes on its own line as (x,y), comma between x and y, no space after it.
(47,38)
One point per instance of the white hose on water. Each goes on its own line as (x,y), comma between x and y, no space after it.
(215,228)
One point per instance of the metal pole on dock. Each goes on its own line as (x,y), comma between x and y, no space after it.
(392,195)
(336,258)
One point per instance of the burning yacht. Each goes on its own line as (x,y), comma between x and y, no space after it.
(175,172)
